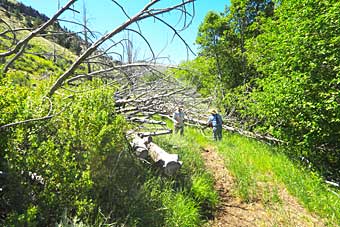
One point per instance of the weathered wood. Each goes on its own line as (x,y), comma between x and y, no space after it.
(332,183)
(158,133)
(139,146)
(144,147)
(146,121)
(169,162)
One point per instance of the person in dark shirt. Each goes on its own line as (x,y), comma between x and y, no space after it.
(215,121)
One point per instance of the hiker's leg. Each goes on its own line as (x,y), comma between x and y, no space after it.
(175,130)
(215,133)
(181,130)
(219,134)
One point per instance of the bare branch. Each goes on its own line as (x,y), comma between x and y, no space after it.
(143,14)
(38,30)
(47,117)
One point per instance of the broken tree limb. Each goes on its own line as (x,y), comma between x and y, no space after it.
(146,134)
(146,121)
(239,131)
(169,162)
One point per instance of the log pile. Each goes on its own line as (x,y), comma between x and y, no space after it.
(144,147)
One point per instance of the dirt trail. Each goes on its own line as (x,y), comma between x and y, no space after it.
(233,212)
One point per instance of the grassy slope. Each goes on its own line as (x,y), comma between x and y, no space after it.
(261,170)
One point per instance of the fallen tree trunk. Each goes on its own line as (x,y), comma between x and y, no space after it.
(139,146)
(169,162)
(158,133)
(144,147)
(146,121)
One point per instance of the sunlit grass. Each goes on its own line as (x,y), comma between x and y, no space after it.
(193,196)
(261,170)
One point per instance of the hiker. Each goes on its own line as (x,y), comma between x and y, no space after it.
(178,119)
(215,121)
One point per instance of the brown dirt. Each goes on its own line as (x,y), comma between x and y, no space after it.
(233,212)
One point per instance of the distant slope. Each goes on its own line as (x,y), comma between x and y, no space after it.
(31,18)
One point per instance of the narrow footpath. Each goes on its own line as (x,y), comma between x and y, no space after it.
(233,212)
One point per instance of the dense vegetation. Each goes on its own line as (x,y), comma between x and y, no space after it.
(274,66)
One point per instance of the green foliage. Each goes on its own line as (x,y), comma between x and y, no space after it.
(278,70)
(198,72)
(76,168)
(203,191)
(64,150)
(222,38)
(298,57)
(89,176)
(182,211)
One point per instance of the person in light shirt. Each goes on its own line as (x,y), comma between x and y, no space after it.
(178,119)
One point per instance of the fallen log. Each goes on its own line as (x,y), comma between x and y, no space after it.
(146,121)
(144,147)
(169,162)
(139,146)
(158,133)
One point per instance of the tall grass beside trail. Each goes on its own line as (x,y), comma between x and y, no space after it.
(186,199)
(192,197)
(261,170)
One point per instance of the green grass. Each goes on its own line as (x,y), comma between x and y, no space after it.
(261,170)
(192,196)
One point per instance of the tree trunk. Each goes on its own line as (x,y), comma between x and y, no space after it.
(168,161)
(139,146)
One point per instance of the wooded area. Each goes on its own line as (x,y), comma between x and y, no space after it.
(277,67)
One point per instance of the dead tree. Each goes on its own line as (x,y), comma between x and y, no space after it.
(113,69)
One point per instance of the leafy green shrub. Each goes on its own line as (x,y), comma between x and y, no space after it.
(64,150)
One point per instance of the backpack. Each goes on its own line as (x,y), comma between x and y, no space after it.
(218,119)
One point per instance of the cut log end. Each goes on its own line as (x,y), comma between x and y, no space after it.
(172,167)
(144,147)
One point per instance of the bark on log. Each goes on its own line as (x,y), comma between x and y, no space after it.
(158,133)
(139,146)
(144,147)
(146,121)
(169,162)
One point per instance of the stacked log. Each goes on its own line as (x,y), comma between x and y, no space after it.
(144,147)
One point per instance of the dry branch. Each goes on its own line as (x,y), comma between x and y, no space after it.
(239,131)
(146,121)
(146,12)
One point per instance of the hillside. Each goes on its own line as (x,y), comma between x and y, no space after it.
(27,17)
(67,157)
